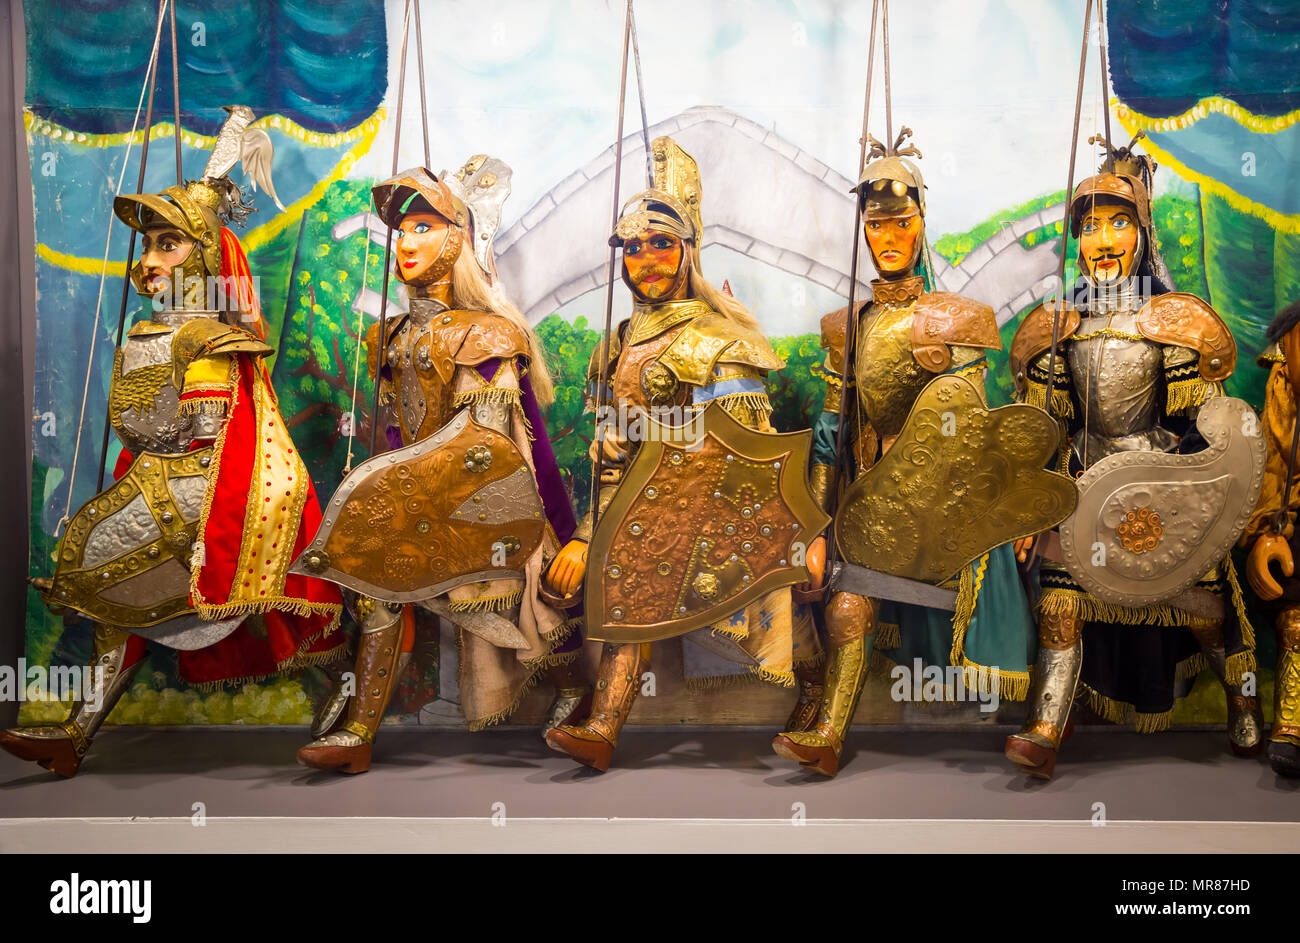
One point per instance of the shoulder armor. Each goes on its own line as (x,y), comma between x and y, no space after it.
(1186,321)
(834,328)
(706,340)
(372,348)
(1034,335)
(615,348)
(941,318)
(205,337)
(467,338)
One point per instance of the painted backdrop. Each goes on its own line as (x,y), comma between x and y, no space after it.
(766,94)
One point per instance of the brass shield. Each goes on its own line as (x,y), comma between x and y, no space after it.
(1150,524)
(708,518)
(459,506)
(124,559)
(959,480)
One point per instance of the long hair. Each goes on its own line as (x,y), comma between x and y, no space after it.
(719,301)
(470,291)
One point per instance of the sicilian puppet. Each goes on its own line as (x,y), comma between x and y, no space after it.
(1138,591)
(1271,535)
(703,508)
(460,516)
(923,456)
(190,547)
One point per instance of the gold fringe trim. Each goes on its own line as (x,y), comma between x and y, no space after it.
(758,401)
(504,714)
(1189,667)
(288,604)
(1239,605)
(753,674)
(497,603)
(1240,665)
(488,395)
(560,634)
(888,636)
(1188,394)
(972,578)
(1121,712)
(1062,405)
(1081,605)
(204,406)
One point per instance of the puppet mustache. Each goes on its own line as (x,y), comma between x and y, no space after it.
(667,271)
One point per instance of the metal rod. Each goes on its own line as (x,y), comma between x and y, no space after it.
(851,321)
(889,98)
(424,105)
(602,376)
(1065,224)
(152,72)
(640,91)
(176,98)
(1102,40)
(381,361)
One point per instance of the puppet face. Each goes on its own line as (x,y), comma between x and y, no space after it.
(165,248)
(893,240)
(1108,241)
(427,246)
(653,262)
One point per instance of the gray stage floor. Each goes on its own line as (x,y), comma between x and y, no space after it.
(672,774)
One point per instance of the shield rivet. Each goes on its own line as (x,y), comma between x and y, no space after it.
(730,528)
(617,612)
(615,571)
(746,512)
(652,492)
(636,528)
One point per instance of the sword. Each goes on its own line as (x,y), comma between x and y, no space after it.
(851,578)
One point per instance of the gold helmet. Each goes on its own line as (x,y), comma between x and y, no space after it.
(890,183)
(672,204)
(192,209)
(421,191)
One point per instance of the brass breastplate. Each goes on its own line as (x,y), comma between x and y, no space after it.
(1116,374)
(640,381)
(142,400)
(888,377)
(424,401)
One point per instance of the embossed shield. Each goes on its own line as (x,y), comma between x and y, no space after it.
(124,559)
(959,480)
(456,507)
(708,518)
(1150,524)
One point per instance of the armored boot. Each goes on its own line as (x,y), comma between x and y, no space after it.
(592,742)
(332,711)
(378,664)
(850,625)
(1060,656)
(1284,741)
(572,696)
(1245,718)
(804,714)
(60,748)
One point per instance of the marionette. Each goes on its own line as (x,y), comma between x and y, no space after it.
(463,512)
(1271,535)
(704,510)
(1138,591)
(927,485)
(190,547)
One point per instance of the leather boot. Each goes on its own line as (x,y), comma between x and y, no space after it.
(1284,739)
(1060,656)
(377,666)
(1245,718)
(572,696)
(60,747)
(618,683)
(818,747)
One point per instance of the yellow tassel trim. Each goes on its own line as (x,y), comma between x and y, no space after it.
(204,406)
(497,603)
(1239,605)
(488,394)
(888,636)
(972,578)
(1240,665)
(1189,667)
(1119,712)
(560,634)
(1188,394)
(755,401)
(1062,405)
(1081,605)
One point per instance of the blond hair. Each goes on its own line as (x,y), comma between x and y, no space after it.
(699,287)
(470,291)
